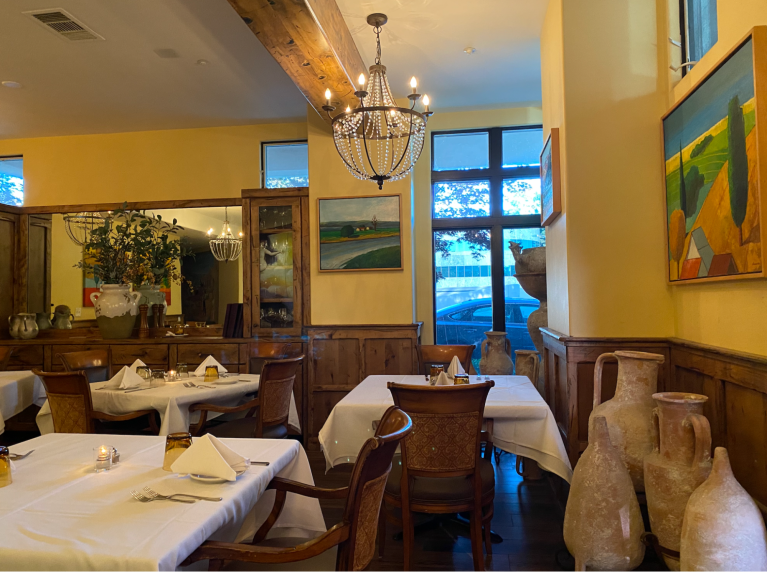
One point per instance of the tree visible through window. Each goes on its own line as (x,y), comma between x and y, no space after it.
(286,164)
(11,181)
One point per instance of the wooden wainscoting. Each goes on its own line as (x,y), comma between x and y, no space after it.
(340,357)
(734,382)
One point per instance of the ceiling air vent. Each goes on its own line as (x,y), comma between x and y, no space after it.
(63,24)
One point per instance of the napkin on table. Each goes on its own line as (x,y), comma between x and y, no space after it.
(126,378)
(443,379)
(454,367)
(210,360)
(210,457)
(137,364)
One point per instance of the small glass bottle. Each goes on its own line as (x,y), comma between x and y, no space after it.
(5,467)
(175,445)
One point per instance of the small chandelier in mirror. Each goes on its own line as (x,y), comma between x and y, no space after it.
(79,226)
(225,246)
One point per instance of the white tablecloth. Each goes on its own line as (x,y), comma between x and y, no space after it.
(60,515)
(18,390)
(172,401)
(524,424)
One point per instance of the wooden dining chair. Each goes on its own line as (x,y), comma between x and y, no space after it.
(443,355)
(354,536)
(69,395)
(270,351)
(441,469)
(272,406)
(95,364)
(5,356)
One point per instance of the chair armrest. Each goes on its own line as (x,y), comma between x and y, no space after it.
(217,551)
(280,484)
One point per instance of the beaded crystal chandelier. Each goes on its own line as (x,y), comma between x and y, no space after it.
(379,141)
(226,246)
(79,226)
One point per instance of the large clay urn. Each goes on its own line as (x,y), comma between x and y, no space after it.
(679,463)
(629,413)
(496,355)
(116,310)
(603,525)
(723,528)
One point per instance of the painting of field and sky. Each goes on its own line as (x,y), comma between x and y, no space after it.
(360,233)
(712,184)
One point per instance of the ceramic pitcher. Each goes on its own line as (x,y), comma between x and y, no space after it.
(496,359)
(629,413)
(723,528)
(679,463)
(151,295)
(116,310)
(23,326)
(43,321)
(603,524)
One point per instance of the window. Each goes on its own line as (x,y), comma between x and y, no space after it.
(12,181)
(286,164)
(486,192)
(699,28)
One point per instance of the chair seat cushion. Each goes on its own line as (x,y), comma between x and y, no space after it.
(324,561)
(430,489)
(245,427)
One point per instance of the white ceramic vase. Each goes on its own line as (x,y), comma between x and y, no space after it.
(116,310)
(151,295)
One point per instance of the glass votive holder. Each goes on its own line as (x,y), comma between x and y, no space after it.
(461,379)
(144,372)
(434,372)
(175,445)
(211,373)
(5,467)
(102,458)
(182,369)
(171,375)
(158,378)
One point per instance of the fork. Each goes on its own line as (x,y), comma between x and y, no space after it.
(141,498)
(155,495)
(17,457)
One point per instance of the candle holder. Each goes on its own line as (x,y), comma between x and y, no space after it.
(5,467)
(102,458)
(175,445)
(434,372)
(461,379)
(211,373)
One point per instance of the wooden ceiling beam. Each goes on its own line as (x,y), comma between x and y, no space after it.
(311,42)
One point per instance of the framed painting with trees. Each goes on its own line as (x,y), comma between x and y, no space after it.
(360,233)
(715,156)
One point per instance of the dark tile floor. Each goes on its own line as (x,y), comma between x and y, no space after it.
(527,516)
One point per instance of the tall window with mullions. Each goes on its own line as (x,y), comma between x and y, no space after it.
(485,193)
(699,27)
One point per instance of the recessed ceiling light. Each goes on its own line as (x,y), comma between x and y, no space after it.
(13,84)
(202,62)
(469,50)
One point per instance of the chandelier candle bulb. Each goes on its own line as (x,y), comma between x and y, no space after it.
(361,80)
(413,83)
(426,102)
(327,95)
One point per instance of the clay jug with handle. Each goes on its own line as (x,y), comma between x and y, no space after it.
(629,412)
(496,355)
(723,528)
(679,463)
(603,524)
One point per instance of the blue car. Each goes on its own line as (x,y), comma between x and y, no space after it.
(467,322)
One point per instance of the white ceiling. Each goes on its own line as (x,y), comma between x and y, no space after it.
(121,84)
(426,39)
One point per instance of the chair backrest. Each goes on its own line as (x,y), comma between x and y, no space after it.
(447,426)
(274,390)
(443,355)
(527,362)
(5,356)
(366,490)
(69,396)
(95,364)
(272,351)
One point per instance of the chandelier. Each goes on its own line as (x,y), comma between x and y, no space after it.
(226,246)
(379,141)
(79,226)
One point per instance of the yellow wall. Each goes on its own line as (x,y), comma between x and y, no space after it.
(424,260)
(382,297)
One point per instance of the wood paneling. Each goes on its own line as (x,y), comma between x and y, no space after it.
(194,354)
(389,355)
(149,354)
(8,229)
(26,357)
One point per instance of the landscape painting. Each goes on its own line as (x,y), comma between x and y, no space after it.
(551,202)
(712,176)
(360,233)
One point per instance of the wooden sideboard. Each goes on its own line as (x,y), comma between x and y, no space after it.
(734,382)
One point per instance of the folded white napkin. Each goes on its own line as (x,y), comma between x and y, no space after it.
(454,367)
(210,457)
(443,379)
(210,360)
(126,378)
(137,364)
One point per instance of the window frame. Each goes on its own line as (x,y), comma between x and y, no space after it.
(495,223)
(684,33)
(15,158)
(265,144)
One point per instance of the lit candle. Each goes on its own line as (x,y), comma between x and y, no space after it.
(413,83)
(103,453)
(361,80)
(348,109)
(426,102)
(210,231)
(172,375)
(327,96)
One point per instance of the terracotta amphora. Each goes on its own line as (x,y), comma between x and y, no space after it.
(629,413)
(603,524)
(723,528)
(496,358)
(679,463)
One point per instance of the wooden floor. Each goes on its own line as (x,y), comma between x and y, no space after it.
(527,516)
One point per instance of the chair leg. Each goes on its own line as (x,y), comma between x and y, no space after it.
(476,539)
(381,530)
(486,532)
(408,536)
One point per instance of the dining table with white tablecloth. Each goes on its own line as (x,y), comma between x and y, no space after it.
(18,390)
(172,400)
(58,514)
(522,421)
